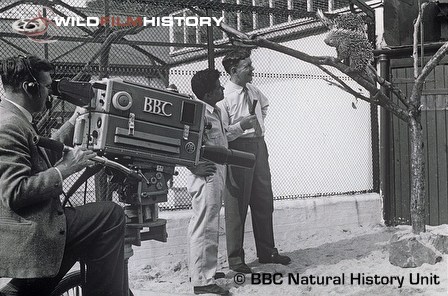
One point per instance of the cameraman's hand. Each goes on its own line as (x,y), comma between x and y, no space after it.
(75,160)
(204,169)
(248,122)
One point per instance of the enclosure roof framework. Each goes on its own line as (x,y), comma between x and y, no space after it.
(139,50)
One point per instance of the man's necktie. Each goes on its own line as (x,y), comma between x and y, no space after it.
(258,131)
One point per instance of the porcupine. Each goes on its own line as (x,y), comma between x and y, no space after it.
(348,36)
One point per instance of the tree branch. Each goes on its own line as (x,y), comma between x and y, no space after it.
(417,89)
(385,102)
(390,87)
(351,91)
(342,85)
(433,62)
(415,39)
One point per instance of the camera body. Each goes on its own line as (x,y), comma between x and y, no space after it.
(133,121)
(146,129)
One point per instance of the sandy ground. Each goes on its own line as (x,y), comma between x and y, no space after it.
(344,257)
(347,254)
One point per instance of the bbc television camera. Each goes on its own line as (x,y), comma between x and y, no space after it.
(148,131)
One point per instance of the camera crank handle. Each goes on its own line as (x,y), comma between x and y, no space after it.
(141,175)
(112,164)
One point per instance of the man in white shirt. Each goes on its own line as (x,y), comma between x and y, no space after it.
(244,109)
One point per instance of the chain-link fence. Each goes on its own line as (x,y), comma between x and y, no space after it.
(319,138)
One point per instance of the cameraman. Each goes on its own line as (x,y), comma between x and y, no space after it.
(40,240)
(205,185)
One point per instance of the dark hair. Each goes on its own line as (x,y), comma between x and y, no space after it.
(234,57)
(204,82)
(16,70)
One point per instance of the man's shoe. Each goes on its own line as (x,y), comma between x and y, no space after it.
(243,268)
(275,258)
(219,275)
(210,289)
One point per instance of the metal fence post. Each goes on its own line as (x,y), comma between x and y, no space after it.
(385,156)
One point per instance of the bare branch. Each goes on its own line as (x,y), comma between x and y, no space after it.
(395,90)
(350,90)
(433,62)
(342,85)
(379,98)
(390,87)
(417,89)
(417,23)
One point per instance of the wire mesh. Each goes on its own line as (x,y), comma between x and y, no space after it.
(319,138)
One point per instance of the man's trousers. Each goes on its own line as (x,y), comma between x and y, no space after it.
(203,230)
(95,234)
(244,188)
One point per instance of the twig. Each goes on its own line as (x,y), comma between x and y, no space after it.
(390,86)
(343,85)
(354,93)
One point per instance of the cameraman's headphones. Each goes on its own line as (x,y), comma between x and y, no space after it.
(32,87)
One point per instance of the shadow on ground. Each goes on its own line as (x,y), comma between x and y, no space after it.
(327,254)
